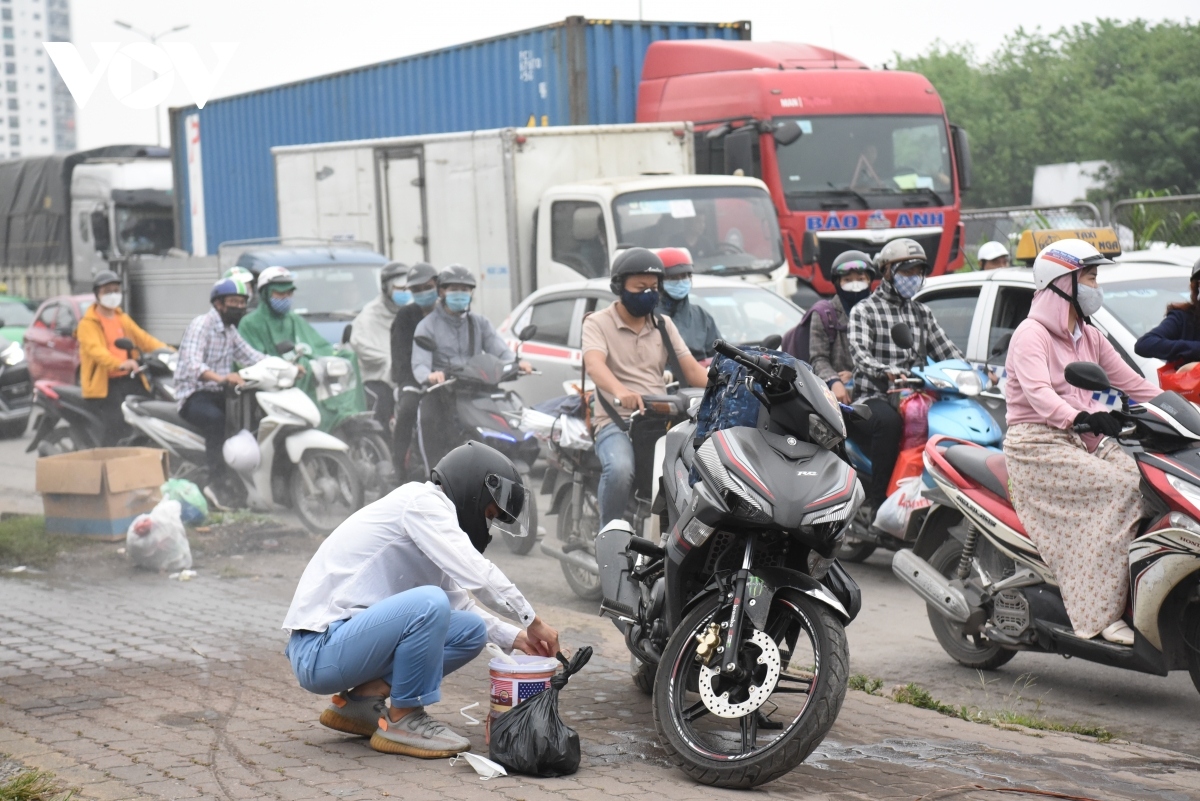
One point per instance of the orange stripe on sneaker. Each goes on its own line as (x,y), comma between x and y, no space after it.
(339,701)
(383,724)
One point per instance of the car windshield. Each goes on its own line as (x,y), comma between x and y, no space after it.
(14,312)
(867,162)
(341,289)
(746,314)
(1139,305)
(149,229)
(727,229)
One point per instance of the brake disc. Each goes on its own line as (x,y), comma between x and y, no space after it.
(720,705)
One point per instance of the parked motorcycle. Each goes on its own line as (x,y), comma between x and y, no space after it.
(299,466)
(989,592)
(955,412)
(736,619)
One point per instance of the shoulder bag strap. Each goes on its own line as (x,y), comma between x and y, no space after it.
(672,358)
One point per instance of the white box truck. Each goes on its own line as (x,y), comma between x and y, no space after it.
(525,208)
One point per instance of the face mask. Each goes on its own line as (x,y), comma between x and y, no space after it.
(425,299)
(458,301)
(852,287)
(280,305)
(111,301)
(678,289)
(232,315)
(1090,299)
(851,299)
(401,297)
(907,285)
(639,304)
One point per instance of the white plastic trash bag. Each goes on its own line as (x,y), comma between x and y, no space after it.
(241,452)
(571,433)
(898,508)
(539,423)
(158,541)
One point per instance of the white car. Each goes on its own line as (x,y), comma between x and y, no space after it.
(980,310)
(745,314)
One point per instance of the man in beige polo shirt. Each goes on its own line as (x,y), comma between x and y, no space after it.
(624,353)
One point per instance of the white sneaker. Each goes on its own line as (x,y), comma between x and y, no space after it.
(1118,632)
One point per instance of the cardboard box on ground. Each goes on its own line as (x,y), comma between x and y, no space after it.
(97,493)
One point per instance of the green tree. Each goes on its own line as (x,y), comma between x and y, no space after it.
(1126,93)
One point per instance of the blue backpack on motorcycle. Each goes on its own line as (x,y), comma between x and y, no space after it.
(731,398)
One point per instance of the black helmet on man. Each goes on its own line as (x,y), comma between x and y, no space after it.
(474,476)
(852,261)
(635,261)
(456,274)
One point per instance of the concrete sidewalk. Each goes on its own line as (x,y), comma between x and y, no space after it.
(135,686)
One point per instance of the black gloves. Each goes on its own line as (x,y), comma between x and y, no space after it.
(1099,423)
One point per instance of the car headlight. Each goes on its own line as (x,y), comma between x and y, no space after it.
(966,381)
(13,354)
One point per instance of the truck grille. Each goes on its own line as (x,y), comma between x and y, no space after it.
(832,247)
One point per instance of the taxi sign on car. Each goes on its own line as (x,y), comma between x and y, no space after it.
(1102,239)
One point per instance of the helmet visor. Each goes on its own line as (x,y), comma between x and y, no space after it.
(513,501)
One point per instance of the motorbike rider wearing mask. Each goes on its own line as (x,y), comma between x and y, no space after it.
(877,358)
(105,371)
(458,334)
(1177,338)
(695,325)
(421,283)
(210,346)
(371,335)
(829,351)
(385,607)
(625,353)
(1077,495)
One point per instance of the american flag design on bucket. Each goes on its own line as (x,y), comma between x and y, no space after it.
(507,693)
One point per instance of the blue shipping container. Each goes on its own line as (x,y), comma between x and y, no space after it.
(576,72)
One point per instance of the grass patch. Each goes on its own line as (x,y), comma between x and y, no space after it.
(918,696)
(238,517)
(34,785)
(867,684)
(24,541)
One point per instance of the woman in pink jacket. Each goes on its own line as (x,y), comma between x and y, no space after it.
(1076,494)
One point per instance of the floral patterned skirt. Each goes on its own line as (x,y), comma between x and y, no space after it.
(1081,509)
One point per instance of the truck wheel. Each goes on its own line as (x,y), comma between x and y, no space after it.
(324,489)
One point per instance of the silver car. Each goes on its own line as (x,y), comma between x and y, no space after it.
(744,314)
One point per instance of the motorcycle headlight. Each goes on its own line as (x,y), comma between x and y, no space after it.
(966,381)
(822,433)
(696,533)
(742,501)
(13,354)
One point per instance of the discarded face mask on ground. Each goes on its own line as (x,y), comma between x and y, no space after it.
(486,768)
(532,738)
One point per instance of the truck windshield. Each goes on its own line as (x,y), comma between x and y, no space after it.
(867,162)
(335,290)
(145,229)
(728,229)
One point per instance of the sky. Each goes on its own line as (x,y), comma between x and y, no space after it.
(279,41)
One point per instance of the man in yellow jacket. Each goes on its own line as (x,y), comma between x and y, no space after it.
(105,371)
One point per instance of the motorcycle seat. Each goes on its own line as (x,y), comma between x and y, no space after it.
(69,391)
(166,411)
(981,465)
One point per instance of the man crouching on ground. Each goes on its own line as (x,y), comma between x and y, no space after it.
(383,606)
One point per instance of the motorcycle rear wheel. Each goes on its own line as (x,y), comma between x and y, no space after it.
(582,583)
(811,685)
(372,456)
(972,651)
(325,490)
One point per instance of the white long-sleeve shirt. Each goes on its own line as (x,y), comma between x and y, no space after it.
(409,538)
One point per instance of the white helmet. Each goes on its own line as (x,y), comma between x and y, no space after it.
(275,275)
(1062,258)
(991,250)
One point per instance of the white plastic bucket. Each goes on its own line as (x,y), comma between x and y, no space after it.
(512,684)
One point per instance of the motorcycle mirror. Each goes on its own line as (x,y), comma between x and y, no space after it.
(902,335)
(125,343)
(772,342)
(527,333)
(1087,375)
(284,347)
(787,132)
(425,343)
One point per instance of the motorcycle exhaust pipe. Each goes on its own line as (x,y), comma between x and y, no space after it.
(931,585)
(579,559)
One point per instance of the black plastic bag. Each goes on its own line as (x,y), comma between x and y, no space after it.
(532,738)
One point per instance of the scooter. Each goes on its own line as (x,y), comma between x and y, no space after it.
(988,591)
(735,619)
(955,412)
(299,465)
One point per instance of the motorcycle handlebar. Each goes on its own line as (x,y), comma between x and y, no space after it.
(760,363)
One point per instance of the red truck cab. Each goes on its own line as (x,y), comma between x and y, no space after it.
(857,156)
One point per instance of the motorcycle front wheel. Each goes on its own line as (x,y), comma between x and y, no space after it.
(583,531)
(325,490)
(372,456)
(741,733)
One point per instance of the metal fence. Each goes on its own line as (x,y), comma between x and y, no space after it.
(1006,224)
(1154,222)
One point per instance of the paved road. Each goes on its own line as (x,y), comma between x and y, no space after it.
(890,640)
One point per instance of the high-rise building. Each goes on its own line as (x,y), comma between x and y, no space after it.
(38,114)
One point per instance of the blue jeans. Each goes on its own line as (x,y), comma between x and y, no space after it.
(410,640)
(615,450)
